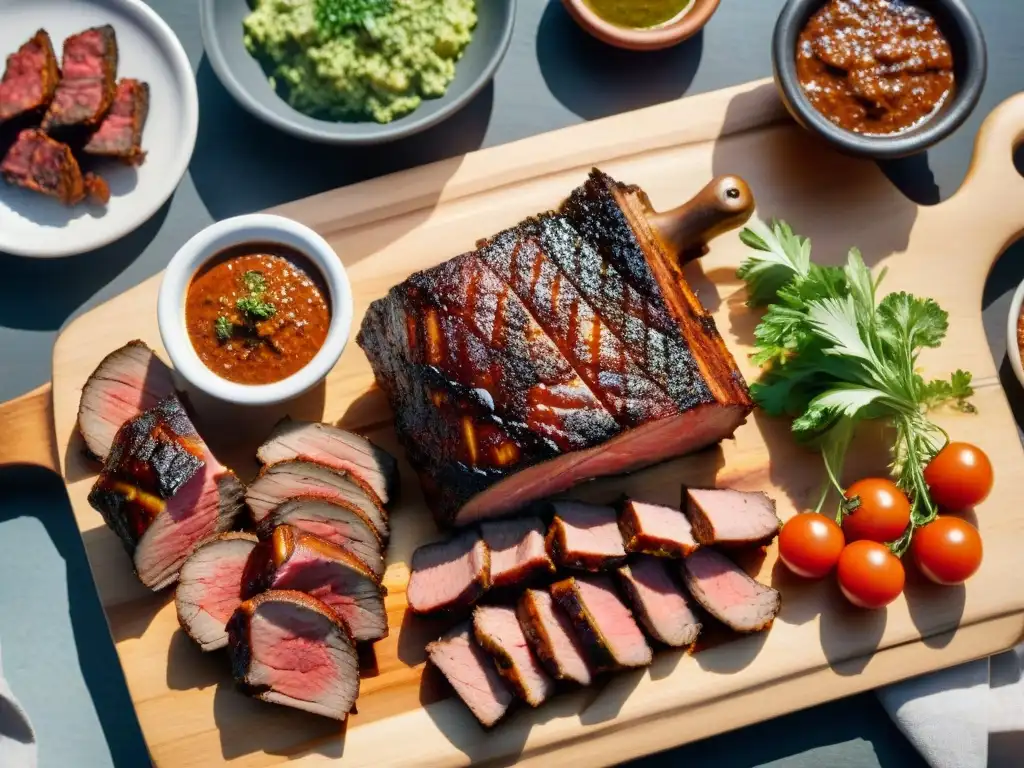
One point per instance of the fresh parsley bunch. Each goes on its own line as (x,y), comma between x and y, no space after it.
(335,16)
(834,355)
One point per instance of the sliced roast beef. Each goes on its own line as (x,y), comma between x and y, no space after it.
(87,85)
(585,537)
(518,554)
(472,674)
(335,448)
(120,133)
(289,648)
(127,382)
(286,480)
(604,625)
(656,530)
(449,575)
(552,637)
(210,587)
(30,78)
(659,603)
(497,630)
(731,518)
(341,524)
(162,491)
(725,591)
(294,560)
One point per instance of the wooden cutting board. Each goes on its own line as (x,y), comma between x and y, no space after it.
(820,648)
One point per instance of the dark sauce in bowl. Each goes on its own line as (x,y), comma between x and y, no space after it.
(257,313)
(874,67)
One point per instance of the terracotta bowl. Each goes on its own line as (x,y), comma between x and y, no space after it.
(651,39)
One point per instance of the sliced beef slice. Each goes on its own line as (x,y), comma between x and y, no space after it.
(120,134)
(656,530)
(449,575)
(472,674)
(604,625)
(289,648)
(731,518)
(40,164)
(210,587)
(87,85)
(725,591)
(518,553)
(30,78)
(497,630)
(661,605)
(551,637)
(585,537)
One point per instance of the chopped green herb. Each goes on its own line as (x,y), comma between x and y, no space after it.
(255,308)
(335,16)
(254,281)
(224,328)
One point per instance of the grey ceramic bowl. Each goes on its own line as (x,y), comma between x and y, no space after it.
(246,80)
(969,67)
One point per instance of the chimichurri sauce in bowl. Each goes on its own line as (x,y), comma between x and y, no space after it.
(639,14)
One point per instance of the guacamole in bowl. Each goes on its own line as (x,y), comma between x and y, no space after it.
(379,69)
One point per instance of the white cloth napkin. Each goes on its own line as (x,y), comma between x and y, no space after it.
(17,739)
(971,716)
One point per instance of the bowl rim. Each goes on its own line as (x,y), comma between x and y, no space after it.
(966,95)
(334,132)
(694,19)
(205,245)
(1012,347)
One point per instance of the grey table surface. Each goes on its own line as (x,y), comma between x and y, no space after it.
(56,649)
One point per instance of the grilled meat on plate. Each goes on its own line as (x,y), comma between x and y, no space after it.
(472,674)
(87,85)
(725,591)
(30,78)
(656,530)
(518,553)
(585,537)
(38,163)
(551,637)
(449,575)
(731,518)
(497,630)
(120,133)
(659,603)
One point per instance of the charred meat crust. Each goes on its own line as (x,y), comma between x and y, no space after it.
(538,639)
(505,664)
(41,164)
(68,109)
(26,93)
(120,134)
(635,541)
(583,561)
(587,632)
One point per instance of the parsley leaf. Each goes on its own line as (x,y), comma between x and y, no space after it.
(224,328)
(254,281)
(334,17)
(255,308)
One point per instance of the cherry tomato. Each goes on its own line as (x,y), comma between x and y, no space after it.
(947,550)
(809,545)
(883,514)
(959,477)
(869,574)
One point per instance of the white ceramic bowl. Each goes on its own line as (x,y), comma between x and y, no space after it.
(1012,348)
(255,228)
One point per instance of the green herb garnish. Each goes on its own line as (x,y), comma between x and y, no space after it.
(224,328)
(254,281)
(834,356)
(252,307)
(333,17)
(255,308)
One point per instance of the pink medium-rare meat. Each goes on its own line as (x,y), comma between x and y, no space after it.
(659,603)
(497,630)
(585,537)
(472,674)
(289,648)
(725,591)
(210,587)
(604,625)
(729,518)
(341,524)
(551,637)
(449,575)
(120,134)
(518,553)
(162,492)
(30,78)
(286,480)
(655,530)
(298,561)
(87,85)
(335,448)
(127,382)
(523,368)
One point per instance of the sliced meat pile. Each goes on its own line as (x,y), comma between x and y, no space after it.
(725,591)
(472,674)
(585,537)
(289,648)
(162,491)
(518,553)
(449,575)
(731,518)
(566,348)
(656,530)
(497,630)
(30,78)
(210,587)
(120,133)
(38,163)
(661,605)
(86,88)
(551,637)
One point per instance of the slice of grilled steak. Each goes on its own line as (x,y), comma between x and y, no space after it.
(518,553)
(289,648)
(127,382)
(302,562)
(661,605)
(343,525)
(731,518)
(725,591)
(585,537)
(449,575)
(604,625)
(120,134)
(335,448)
(551,637)
(87,85)
(30,78)
(286,480)
(656,530)
(472,674)
(210,587)
(41,164)
(162,491)
(497,630)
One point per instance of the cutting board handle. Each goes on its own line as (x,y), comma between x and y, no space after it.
(992,173)
(724,204)
(26,430)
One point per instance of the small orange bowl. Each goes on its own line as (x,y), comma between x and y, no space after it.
(655,38)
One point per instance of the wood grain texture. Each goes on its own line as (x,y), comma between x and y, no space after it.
(26,430)
(820,648)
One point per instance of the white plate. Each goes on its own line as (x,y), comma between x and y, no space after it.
(35,225)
